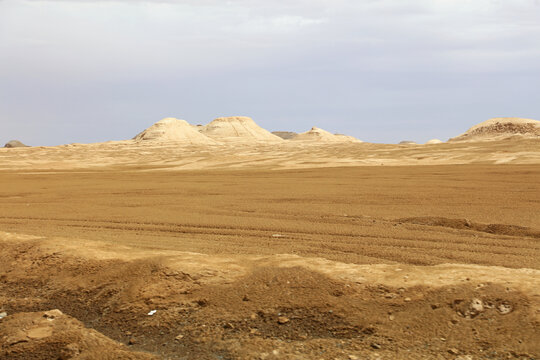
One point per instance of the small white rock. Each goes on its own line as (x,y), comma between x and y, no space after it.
(152,312)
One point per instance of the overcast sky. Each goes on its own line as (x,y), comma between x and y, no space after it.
(380,70)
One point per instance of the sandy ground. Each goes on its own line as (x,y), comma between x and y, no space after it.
(283,155)
(277,257)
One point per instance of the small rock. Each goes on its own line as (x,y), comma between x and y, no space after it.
(375,346)
(253,316)
(283,320)
(407,299)
(464,357)
(52,314)
(179,337)
(477,305)
(353,357)
(391,318)
(245,298)
(152,312)
(3,314)
(504,308)
(453,351)
(277,235)
(132,341)
(228,326)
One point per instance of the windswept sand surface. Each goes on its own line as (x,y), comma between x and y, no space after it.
(285,255)
(280,155)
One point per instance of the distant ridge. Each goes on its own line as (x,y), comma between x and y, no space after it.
(501,128)
(285,135)
(319,135)
(15,144)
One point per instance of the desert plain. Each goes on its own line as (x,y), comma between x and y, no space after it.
(280,249)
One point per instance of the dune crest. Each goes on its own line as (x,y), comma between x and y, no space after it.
(238,129)
(501,128)
(171,129)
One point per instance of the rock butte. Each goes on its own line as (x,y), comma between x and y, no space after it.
(238,129)
(500,128)
(434,141)
(320,135)
(171,129)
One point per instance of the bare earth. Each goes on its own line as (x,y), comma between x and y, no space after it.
(286,251)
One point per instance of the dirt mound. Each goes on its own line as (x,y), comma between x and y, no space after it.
(174,305)
(14,144)
(53,335)
(501,128)
(320,135)
(238,129)
(463,224)
(171,129)
(285,135)
(434,141)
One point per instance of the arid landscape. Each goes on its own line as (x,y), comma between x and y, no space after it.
(225,241)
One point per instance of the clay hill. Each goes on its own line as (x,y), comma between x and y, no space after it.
(237,129)
(320,135)
(15,144)
(501,128)
(171,129)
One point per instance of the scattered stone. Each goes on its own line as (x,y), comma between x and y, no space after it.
(179,337)
(132,341)
(476,307)
(52,314)
(283,320)
(376,346)
(453,351)
(407,299)
(277,235)
(353,357)
(245,298)
(391,317)
(3,314)
(152,312)
(228,326)
(504,308)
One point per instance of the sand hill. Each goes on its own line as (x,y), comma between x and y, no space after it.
(317,134)
(14,144)
(238,129)
(500,128)
(171,129)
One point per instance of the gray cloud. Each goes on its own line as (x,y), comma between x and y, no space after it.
(424,68)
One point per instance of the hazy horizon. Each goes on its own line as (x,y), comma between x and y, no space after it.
(380,70)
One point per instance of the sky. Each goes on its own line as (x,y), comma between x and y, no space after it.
(380,70)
